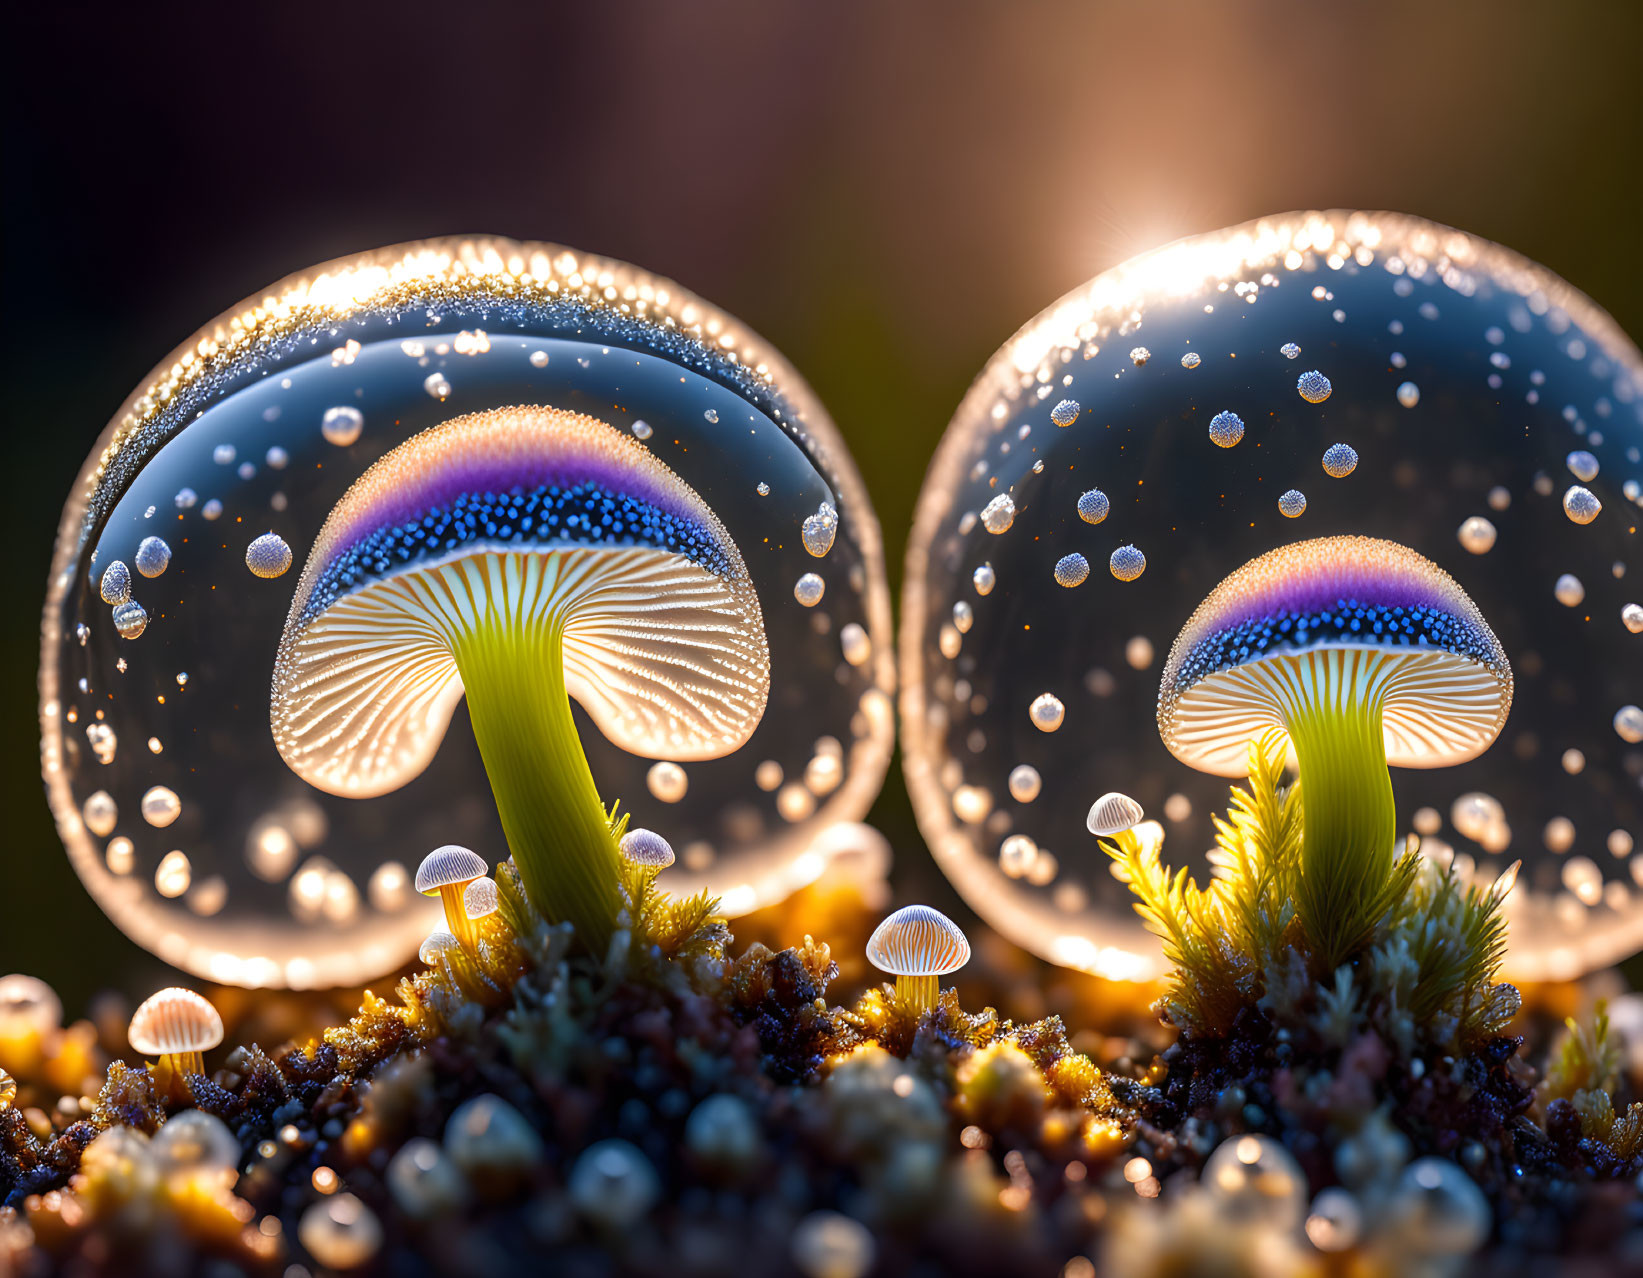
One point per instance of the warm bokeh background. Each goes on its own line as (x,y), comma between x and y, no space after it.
(886,191)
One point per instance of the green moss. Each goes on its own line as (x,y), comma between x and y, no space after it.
(1411,951)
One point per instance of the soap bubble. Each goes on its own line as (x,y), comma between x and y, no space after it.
(1472,474)
(408,338)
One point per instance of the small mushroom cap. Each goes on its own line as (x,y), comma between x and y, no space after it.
(438,943)
(646,847)
(918,941)
(449,866)
(531,512)
(481,898)
(1442,676)
(1113,813)
(173,1021)
(28,1003)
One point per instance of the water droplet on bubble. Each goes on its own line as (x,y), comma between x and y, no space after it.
(1314,387)
(1190,360)
(153,556)
(1047,712)
(1569,591)
(115,586)
(998,514)
(100,814)
(1226,429)
(1025,783)
(1127,563)
(268,556)
(1582,465)
(1065,413)
(1016,855)
(1289,350)
(984,579)
(1409,394)
(819,530)
(342,425)
(1580,505)
(130,619)
(855,645)
(161,806)
(808,589)
(667,781)
(1628,724)
(642,430)
(1340,460)
(1072,570)
(1093,506)
(1292,504)
(173,875)
(1476,535)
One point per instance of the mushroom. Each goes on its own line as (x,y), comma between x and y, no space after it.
(648,849)
(177,1026)
(30,1014)
(1363,652)
(522,557)
(1113,813)
(333,380)
(918,946)
(446,873)
(437,945)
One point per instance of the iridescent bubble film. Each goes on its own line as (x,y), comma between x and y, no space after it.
(208,490)
(1389,378)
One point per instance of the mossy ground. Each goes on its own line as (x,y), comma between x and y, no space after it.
(684,1105)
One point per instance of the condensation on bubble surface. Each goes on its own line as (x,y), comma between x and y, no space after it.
(257,426)
(1491,409)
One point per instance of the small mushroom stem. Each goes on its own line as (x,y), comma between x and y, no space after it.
(918,993)
(1332,703)
(186,1063)
(456,910)
(512,669)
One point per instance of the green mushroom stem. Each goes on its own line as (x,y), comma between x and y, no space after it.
(1349,828)
(556,824)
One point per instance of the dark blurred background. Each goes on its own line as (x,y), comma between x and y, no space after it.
(886,191)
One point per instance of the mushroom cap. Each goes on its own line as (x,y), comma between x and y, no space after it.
(28,1003)
(539,512)
(440,942)
(1113,813)
(918,941)
(481,898)
(449,866)
(1447,685)
(646,847)
(174,1020)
